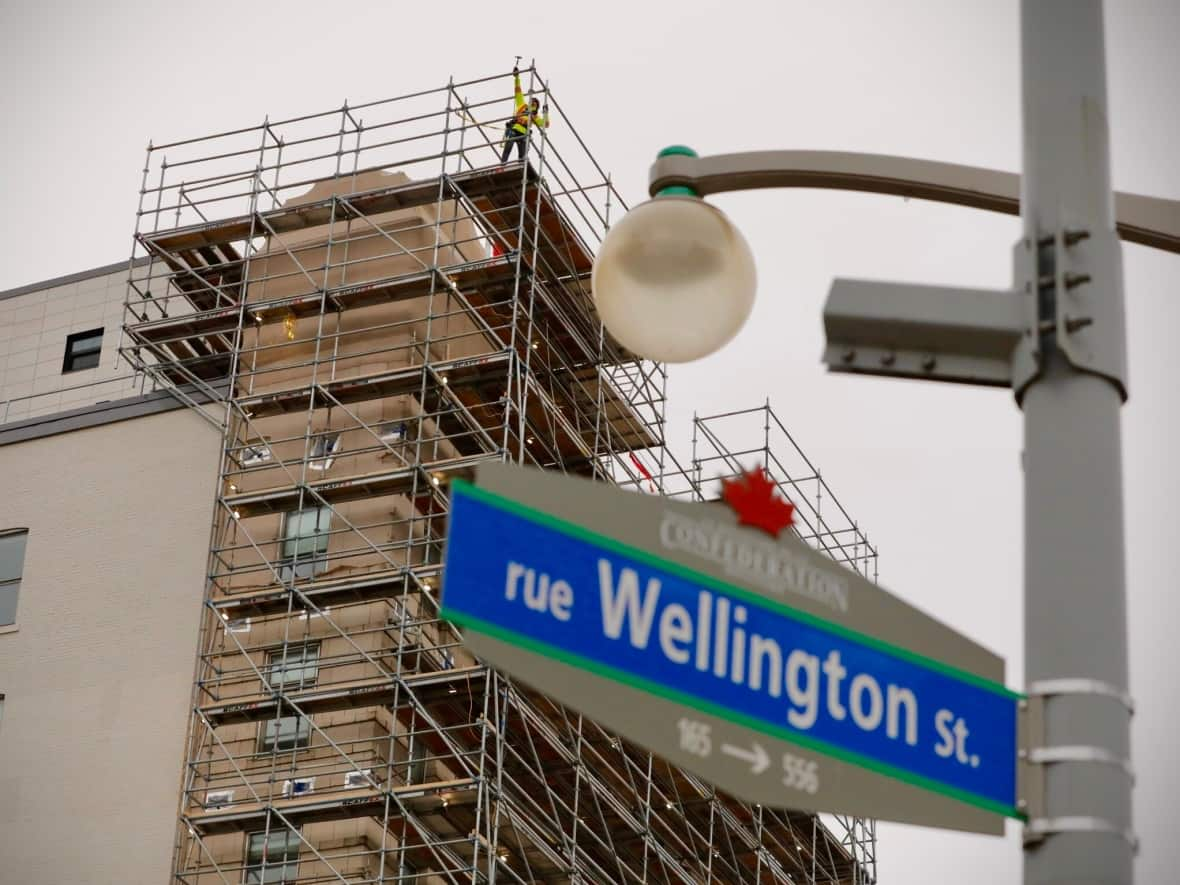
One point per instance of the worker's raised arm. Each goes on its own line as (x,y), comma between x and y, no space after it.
(518,96)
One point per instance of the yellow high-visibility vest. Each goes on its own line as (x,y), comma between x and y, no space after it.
(524,114)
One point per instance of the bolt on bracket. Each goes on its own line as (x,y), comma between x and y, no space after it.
(1066,280)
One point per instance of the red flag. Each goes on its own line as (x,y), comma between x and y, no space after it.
(646,475)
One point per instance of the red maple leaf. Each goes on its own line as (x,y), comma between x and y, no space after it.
(754,498)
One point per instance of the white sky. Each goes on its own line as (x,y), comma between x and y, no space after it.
(932,472)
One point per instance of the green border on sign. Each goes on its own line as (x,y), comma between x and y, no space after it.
(659,690)
(462,487)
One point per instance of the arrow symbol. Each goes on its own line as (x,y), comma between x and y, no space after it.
(757,758)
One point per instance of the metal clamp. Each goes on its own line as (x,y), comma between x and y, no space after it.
(1039,827)
(1035,756)
(1080,686)
(1076,753)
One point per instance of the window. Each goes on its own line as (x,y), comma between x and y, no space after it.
(419,761)
(323,450)
(295,666)
(12,563)
(254,455)
(272,857)
(394,432)
(284,733)
(305,543)
(82,351)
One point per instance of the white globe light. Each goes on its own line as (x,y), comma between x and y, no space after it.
(674,280)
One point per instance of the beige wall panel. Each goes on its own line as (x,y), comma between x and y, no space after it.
(33,331)
(97,674)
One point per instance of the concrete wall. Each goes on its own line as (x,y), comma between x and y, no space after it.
(34,324)
(97,671)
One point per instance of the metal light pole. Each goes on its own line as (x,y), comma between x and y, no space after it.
(1075,637)
(1056,338)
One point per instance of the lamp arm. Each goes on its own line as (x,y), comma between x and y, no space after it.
(1150,221)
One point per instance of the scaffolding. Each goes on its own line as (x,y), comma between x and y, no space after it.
(367,303)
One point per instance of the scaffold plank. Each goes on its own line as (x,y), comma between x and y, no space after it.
(426,687)
(285,219)
(336,805)
(325,595)
(349,488)
(483,276)
(401,382)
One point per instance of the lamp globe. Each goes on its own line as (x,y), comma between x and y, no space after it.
(674,280)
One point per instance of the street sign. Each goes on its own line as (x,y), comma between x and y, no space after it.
(765,667)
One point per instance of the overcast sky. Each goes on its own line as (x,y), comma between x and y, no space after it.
(931,472)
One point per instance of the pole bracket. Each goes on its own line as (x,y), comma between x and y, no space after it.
(1076,753)
(1080,686)
(1038,828)
(1068,280)
(1035,755)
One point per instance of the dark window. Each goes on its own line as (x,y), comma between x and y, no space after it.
(12,562)
(419,761)
(284,733)
(82,351)
(272,857)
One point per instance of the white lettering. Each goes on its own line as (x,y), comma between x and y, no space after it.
(805,696)
(535,591)
(621,603)
(515,570)
(862,684)
(675,627)
(835,672)
(561,600)
(704,620)
(946,744)
(961,733)
(776,567)
(762,649)
(737,667)
(896,698)
(721,638)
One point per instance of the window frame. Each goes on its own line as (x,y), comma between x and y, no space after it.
(254,454)
(323,451)
(69,362)
(283,660)
(287,869)
(301,734)
(13,584)
(298,563)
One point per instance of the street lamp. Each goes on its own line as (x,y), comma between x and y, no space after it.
(674,280)
(1056,338)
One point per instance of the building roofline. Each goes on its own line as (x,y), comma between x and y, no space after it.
(96,415)
(72,278)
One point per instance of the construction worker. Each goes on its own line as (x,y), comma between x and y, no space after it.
(516,131)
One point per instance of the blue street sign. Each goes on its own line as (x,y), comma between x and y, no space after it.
(650,625)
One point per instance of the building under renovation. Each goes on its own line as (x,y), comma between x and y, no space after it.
(360,306)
